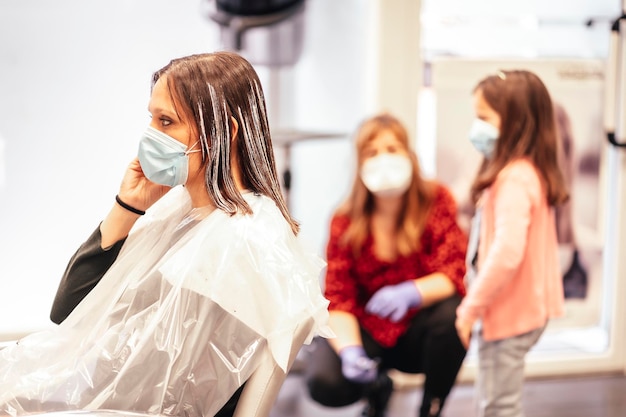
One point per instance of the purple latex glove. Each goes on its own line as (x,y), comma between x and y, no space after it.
(357,366)
(393,301)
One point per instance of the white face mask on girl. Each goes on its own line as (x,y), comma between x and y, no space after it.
(387,175)
(483,136)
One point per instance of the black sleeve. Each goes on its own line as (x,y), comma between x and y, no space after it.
(84,271)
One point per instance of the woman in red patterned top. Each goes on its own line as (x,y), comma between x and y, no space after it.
(396,263)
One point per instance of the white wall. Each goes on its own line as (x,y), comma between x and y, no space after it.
(74,87)
(73,96)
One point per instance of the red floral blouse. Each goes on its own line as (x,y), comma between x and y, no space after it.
(350,281)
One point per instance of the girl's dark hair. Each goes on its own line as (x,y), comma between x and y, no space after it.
(214,89)
(527,130)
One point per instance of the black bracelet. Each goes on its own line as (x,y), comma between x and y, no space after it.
(127,207)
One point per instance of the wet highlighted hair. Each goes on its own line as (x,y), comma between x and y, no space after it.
(214,89)
(527,130)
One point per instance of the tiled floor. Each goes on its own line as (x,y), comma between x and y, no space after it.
(573,397)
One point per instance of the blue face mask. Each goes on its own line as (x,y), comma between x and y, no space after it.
(163,159)
(483,136)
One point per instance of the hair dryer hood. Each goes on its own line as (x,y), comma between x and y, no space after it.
(266,32)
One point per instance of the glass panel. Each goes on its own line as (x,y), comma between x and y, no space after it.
(566,44)
(489,28)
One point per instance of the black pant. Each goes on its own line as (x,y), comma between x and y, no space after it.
(430,346)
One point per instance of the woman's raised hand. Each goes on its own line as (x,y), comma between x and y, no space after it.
(137,190)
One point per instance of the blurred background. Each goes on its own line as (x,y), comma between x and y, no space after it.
(74,88)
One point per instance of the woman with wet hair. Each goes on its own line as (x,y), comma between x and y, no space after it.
(193,278)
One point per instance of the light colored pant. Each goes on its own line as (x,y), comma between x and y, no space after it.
(500,377)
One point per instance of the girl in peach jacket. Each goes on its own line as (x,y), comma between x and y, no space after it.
(514,281)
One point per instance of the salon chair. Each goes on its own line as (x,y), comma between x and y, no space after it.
(262,388)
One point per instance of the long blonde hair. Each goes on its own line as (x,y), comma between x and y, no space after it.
(359,205)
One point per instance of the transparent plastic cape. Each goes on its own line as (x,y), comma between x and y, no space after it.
(194,302)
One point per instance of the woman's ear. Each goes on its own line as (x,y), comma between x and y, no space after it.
(234,129)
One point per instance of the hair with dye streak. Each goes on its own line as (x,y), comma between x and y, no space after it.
(213,89)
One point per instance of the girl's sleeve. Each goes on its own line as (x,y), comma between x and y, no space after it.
(340,286)
(448,242)
(512,214)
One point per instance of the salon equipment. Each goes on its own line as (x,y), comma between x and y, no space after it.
(268,33)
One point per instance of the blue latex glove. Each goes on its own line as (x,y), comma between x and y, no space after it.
(357,366)
(393,301)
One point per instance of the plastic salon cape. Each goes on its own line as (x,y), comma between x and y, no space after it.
(194,302)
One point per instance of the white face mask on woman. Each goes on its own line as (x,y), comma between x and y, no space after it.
(163,159)
(387,175)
